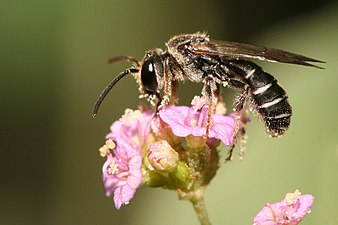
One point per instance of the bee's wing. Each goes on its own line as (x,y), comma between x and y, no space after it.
(239,50)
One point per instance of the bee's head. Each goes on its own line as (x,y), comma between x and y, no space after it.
(152,72)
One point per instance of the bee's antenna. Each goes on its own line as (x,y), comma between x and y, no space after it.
(108,88)
(124,58)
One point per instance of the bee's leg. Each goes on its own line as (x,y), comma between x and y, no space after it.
(158,104)
(168,91)
(174,98)
(177,74)
(241,119)
(209,92)
(220,105)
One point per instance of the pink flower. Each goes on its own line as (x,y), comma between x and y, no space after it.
(122,173)
(289,211)
(133,128)
(185,121)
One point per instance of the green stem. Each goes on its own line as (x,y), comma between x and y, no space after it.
(201,211)
(197,200)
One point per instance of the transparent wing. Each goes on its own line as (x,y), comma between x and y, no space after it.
(239,50)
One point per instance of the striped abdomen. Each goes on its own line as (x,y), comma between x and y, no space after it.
(269,100)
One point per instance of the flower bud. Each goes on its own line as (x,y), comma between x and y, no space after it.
(162,157)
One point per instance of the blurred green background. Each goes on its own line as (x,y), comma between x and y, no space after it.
(53,67)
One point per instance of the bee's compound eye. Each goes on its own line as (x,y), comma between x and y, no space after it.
(148,76)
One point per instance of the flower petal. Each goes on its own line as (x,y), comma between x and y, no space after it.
(122,173)
(133,128)
(122,195)
(135,172)
(175,117)
(223,128)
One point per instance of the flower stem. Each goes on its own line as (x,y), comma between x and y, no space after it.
(201,211)
(197,200)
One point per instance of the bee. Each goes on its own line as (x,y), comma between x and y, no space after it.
(197,58)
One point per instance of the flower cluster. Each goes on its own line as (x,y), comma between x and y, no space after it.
(174,150)
(169,150)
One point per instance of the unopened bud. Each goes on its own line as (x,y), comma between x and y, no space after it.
(162,157)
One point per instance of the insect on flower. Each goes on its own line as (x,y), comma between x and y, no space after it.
(197,58)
